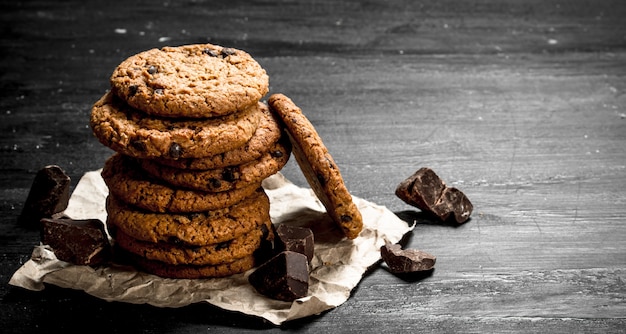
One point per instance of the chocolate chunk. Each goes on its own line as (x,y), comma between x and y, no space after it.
(277,154)
(49,194)
(214,183)
(152,69)
(81,242)
(402,261)
(425,190)
(228,52)
(139,144)
(283,277)
(132,90)
(228,174)
(175,151)
(210,52)
(295,239)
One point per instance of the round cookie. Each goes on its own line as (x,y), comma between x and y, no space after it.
(128,183)
(318,166)
(129,131)
(211,254)
(267,133)
(199,80)
(222,179)
(194,229)
(189,271)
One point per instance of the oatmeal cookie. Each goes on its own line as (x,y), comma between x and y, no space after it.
(194,229)
(129,131)
(199,80)
(128,183)
(222,179)
(210,254)
(266,135)
(163,269)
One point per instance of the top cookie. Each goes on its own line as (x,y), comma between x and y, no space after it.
(318,166)
(200,80)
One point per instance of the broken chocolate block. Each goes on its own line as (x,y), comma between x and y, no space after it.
(49,194)
(428,192)
(295,239)
(402,261)
(284,277)
(81,242)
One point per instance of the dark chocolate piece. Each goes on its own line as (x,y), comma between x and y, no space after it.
(284,277)
(295,239)
(425,190)
(402,261)
(81,242)
(49,194)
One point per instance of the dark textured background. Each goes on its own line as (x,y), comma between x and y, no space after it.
(520,104)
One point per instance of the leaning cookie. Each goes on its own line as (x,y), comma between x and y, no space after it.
(318,166)
(128,131)
(193,229)
(200,80)
(266,135)
(128,183)
(211,254)
(222,179)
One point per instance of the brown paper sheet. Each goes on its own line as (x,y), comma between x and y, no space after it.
(338,265)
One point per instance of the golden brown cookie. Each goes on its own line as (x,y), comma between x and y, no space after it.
(222,179)
(210,254)
(318,166)
(129,131)
(128,183)
(190,271)
(199,80)
(266,135)
(195,229)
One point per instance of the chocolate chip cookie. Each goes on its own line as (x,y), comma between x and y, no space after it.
(194,229)
(210,254)
(199,80)
(222,179)
(190,271)
(128,183)
(266,135)
(129,131)
(318,166)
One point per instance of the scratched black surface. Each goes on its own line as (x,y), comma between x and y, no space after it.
(521,105)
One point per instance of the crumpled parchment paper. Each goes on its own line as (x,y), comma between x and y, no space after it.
(338,265)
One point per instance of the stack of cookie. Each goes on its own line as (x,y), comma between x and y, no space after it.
(193,143)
